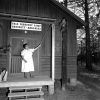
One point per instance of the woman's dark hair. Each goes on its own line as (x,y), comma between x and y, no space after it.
(24,45)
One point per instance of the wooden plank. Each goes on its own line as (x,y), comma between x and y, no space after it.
(45,67)
(53,51)
(25,87)
(25,94)
(29,18)
(17,83)
(32,10)
(3,61)
(32,99)
(15,64)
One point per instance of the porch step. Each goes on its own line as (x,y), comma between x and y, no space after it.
(26,93)
(32,99)
(25,88)
(20,94)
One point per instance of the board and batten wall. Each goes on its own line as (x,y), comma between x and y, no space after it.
(3,45)
(46,9)
(71,50)
(44,52)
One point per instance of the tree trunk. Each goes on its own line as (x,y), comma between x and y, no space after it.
(88,51)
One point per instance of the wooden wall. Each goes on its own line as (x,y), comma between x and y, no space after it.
(35,8)
(3,44)
(3,61)
(71,50)
(45,8)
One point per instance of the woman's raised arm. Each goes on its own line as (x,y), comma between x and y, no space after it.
(37,47)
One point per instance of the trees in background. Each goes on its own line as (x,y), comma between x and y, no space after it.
(89,11)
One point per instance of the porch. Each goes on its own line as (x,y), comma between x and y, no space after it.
(20,81)
(27,87)
(43,59)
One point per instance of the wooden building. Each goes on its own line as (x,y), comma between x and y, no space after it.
(53,24)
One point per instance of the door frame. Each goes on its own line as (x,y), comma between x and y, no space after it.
(10,53)
(52,22)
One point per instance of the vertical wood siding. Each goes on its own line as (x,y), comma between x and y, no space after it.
(71,50)
(45,66)
(44,8)
(3,61)
(15,64)
(39,8)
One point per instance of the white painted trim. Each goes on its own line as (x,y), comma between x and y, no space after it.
(26,83)
(53,52)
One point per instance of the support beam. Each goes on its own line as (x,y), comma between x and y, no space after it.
(53,52)
(26,18)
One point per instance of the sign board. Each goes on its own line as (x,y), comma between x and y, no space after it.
(26,26)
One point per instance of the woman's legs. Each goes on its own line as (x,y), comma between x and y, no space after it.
(30,74)
(27,74)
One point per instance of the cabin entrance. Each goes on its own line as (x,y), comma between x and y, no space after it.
(15,54)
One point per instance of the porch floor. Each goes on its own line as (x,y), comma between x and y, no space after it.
(15,81)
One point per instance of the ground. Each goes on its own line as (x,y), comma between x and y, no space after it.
(79,92)
(87,88)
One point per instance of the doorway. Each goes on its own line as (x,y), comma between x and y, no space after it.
(15,54)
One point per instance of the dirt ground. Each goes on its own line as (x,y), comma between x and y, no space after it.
(80,92)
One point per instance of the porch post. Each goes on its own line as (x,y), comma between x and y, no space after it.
(53,52)
(51,87)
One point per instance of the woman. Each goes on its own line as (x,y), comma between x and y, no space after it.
(27,59)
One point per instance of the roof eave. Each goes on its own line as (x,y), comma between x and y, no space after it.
(82,23)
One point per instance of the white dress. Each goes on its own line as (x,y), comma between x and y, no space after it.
(29,65)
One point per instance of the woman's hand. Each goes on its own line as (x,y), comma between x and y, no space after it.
(39,46)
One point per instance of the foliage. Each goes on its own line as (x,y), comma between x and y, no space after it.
(94,39)
(78,6)
(88,44)
(90,15)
